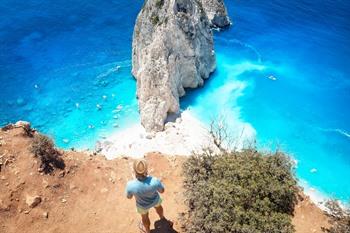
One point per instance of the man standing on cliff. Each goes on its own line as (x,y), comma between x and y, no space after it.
(146,191)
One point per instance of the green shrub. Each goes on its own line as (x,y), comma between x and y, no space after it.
(159,3)
(339,218)
(154,20)
(43,148)
(240,192)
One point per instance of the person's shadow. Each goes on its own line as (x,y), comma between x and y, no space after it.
(163,226)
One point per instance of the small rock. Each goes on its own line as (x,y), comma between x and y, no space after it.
(62,174)
(24,124)
(46,184)
(178,120)
(72,186)
(313,170)
(113,175)
(33,201)
(3,178)
(65,140)
(26,212)
(63,200)
(111,180)
(45,214)
(104,190)
(56,185)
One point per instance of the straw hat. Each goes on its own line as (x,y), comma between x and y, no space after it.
(140,167)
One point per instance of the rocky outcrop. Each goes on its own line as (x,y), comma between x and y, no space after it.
(172,50)
(216,12)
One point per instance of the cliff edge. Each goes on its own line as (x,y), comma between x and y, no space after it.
(88,194)
(172,50)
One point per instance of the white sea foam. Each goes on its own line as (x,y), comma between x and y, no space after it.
(245,45)
(317,197)
(182,137)
(343,132)
(340,131)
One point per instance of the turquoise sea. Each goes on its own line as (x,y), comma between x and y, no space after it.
(283,69)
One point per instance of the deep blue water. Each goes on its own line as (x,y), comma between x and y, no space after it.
(58,60)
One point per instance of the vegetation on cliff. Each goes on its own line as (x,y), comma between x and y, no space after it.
(44,149)
(240,192)
(339,218)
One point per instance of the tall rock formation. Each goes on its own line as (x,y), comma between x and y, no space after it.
(172,50)
(216,12)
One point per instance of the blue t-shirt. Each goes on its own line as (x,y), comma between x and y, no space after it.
(145,191)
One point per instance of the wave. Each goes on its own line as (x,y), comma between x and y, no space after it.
(245,45)
(115,68)
(339,131)
(343,132)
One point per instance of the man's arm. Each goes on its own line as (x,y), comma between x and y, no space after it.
(128,192)
(160,188)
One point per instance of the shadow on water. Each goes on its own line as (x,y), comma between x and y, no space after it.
(192,94)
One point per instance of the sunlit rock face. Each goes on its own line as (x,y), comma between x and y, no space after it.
(172,50)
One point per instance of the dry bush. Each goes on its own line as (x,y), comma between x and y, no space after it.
(44,149)
(339,218)
(240,192)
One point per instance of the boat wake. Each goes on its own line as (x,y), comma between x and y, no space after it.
(339,131)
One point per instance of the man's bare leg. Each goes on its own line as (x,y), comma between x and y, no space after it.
(146,222)
(160,211)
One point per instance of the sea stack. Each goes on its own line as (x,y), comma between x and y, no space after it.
(172,50)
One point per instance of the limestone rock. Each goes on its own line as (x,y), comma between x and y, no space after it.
(172,50)
(216,12)
(33,201)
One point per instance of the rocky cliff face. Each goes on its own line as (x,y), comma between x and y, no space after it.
(172,50)
(216,12)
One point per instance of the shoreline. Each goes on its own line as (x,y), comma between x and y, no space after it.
(184,135)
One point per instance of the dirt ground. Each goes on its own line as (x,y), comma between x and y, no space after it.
(88,195)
